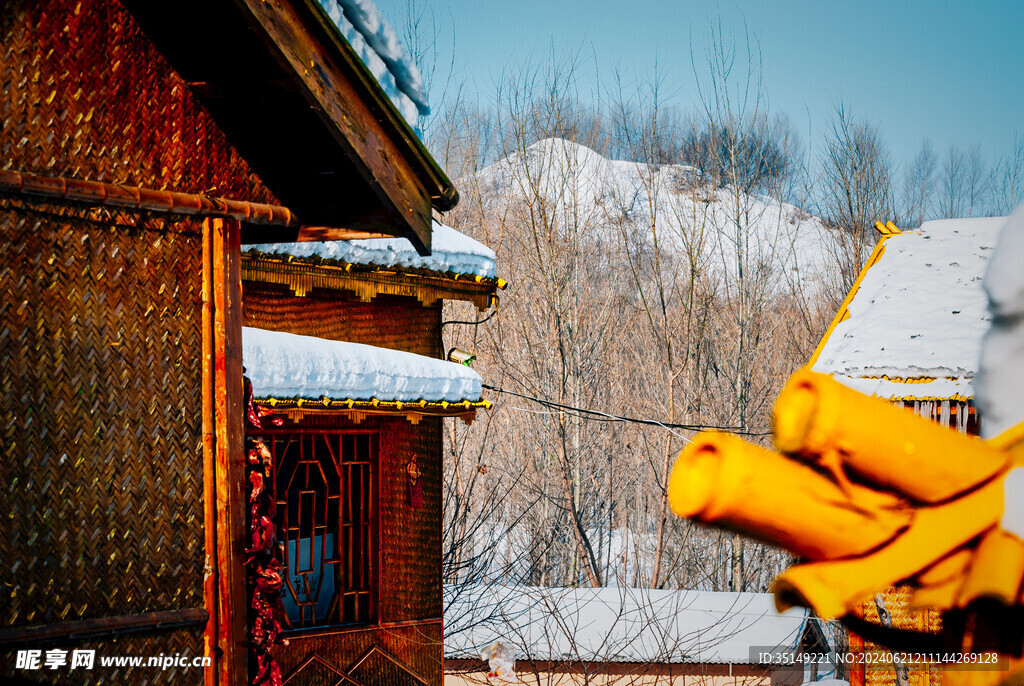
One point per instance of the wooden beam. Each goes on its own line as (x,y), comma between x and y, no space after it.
(255,235)
(210,640)
(86,629)
(226,284)
(336,94)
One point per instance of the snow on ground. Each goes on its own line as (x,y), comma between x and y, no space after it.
(285,366)
(779,242)
(378,46)
(451,251)
(616,624)
(920,312)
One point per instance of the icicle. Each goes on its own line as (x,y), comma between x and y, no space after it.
(961,417)
(944,414)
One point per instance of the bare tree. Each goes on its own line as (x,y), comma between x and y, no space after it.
(977,178)
(919,185)
(950,201)
(855,191)
(663,286)
(1008,178)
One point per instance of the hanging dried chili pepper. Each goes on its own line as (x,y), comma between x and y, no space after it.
(263,558)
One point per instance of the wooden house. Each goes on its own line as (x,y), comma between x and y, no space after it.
(141,145)
(910,331)
(630,637)
(341,346)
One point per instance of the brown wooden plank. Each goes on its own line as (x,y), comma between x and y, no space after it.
(209,462)
(230,458)
(83,629)
(329,233)
(342,104)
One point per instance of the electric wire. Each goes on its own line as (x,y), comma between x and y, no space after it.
(597,415)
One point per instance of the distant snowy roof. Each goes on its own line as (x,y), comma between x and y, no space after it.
(284,365)
(364,27)
(451,251)
(918,316)
(615,624)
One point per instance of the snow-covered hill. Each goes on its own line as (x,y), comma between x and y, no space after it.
(774,242)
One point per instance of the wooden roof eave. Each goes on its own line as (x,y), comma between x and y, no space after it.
(296,409)
(299,105)
(368,281)
(443,194)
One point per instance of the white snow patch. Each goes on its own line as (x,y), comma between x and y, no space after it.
(1001,377)
(285,365)
(451,251)
(785,247)
(616,624)
(378,46)
(920,311)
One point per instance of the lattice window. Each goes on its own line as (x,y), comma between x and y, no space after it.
(326,495)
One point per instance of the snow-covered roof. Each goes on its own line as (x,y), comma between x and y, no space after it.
(451,252)
(916,320)
(284,366)
(615,624)
(378,46)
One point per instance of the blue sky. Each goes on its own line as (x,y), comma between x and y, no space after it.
(950,71)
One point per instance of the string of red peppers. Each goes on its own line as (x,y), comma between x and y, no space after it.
(263,558)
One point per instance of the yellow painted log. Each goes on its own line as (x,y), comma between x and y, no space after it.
(996,569)
(835,587)
(819,419)
(937,586)
(721,479)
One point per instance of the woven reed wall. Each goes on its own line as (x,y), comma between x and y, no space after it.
(389,321)
(897,602)
(410,561)
(101,341)
(86,95)
(410,538)
(100,332)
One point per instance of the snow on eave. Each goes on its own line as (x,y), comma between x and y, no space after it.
(916,314)
(614,624)
(452,252)
(284,365)
(368,33)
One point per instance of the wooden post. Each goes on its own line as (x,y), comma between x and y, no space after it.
(210,647)
(223,370)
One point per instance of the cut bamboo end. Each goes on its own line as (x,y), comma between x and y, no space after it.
(794,414)
(695,476)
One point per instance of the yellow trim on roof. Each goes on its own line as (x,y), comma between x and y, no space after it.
(932,398)
(911,379)
(399,406)
(297,409)
(844,312)
(887,229)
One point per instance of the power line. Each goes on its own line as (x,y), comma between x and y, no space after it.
(598,416)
